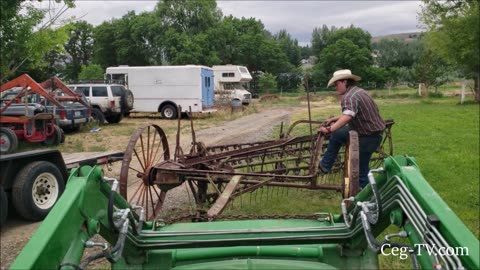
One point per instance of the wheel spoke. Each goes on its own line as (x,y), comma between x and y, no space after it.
(143,149)
(139,160)
(136,191)
(152,156)
(148,148)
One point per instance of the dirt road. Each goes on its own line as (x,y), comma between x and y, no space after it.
(259,126)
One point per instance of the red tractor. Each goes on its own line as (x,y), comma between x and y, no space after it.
(21,120)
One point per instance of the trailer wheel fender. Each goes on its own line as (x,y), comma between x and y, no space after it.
(168,111)
(3,206)
(36,189)
(8,140)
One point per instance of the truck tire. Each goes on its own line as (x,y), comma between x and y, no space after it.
(98,116)
(56,137)
(8,141)
(115,119)
(3,206)
(127,101)
(36,189)
(169,112)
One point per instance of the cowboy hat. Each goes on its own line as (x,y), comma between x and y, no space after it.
(342,74)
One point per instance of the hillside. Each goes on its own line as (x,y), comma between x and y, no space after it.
(406,37)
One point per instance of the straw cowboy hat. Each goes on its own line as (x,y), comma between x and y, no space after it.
(342,74)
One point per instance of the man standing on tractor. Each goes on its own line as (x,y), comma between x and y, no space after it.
(359,113)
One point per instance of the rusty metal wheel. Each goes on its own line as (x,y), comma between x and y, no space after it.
(147,147)
(351,166)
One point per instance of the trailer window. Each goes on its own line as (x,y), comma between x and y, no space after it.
(99,91)
(228,74)
(207,82)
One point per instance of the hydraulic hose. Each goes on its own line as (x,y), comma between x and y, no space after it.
(110,206)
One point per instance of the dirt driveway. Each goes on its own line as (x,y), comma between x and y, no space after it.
(258,126)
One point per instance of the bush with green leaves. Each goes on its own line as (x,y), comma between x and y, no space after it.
(91,72)
(267,83)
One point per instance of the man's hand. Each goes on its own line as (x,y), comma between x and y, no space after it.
(325,130)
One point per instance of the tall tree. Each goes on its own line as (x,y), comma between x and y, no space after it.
(289,45)
(397,53)
(190,17)
(184,25)
(454,34)
(347,48)
(320,37)
(104,49)
(79,48)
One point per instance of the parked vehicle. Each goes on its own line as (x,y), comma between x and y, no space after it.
(109,102)
(229,83)
(34,180)
(21,120)
(164,88)
(70,118)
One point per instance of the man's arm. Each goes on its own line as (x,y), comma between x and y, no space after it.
(341,121)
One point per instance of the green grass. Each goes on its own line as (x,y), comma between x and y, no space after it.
(444,139)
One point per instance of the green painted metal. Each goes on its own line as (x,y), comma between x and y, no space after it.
(247,244)
(450,226)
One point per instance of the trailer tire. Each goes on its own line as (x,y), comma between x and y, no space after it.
(169,112)
(8,141)
(3,206)
(56,137)
(36,189)
(98,116)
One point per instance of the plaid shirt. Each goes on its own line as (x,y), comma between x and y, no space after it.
(366,120)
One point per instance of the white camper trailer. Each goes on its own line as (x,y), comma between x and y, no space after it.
(229,81)
(164,88)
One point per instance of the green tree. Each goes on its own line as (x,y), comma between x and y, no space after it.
(289,46)
(320,38)
(345,48)
(184,26)
(397,53)
(267,83)
(431,70)
(343,54)
(91,72)
(25,39)
(104,49)
(454,34)
(79,48)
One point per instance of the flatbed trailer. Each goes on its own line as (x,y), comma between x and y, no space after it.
(33,181)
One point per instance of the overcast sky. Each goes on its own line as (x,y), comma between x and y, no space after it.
(299,18)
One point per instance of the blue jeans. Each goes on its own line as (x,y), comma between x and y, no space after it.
(367,144)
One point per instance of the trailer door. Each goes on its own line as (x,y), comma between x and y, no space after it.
(207,88)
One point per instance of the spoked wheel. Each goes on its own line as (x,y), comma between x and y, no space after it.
(147,147)
(351,166)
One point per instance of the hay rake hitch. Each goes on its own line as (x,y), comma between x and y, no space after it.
(218,174)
